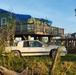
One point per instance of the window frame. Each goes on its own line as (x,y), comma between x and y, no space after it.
(2,24)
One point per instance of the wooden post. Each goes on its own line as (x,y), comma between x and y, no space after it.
(24,37)
(55,60)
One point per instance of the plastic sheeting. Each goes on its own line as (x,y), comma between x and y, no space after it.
(19,16)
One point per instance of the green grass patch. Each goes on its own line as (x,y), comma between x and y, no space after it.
(40,65)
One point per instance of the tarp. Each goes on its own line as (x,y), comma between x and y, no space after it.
(1,11)
(22,16)
(26,17)
(19,16)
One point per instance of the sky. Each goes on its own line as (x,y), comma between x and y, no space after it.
(60,12)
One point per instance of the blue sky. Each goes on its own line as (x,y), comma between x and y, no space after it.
(61,12)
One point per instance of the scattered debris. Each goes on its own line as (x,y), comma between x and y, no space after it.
(5,71)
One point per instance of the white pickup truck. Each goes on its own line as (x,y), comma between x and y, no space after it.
(34,48)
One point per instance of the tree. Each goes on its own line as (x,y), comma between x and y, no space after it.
(7,33)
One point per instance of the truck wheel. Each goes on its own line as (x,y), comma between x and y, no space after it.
(53,53)
(16,53)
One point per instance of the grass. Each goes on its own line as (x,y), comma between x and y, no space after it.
(67,65)
(69,57)
(40,65)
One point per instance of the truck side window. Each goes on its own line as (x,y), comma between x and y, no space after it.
(26,44)
(35,44)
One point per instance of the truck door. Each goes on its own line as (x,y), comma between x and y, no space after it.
(25,48)
(36,48)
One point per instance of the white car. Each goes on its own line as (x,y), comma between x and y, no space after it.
(34,48)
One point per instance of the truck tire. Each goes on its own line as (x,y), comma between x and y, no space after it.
(52,53)
(16,53)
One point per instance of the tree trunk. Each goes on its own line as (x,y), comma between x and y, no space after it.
(5,71)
